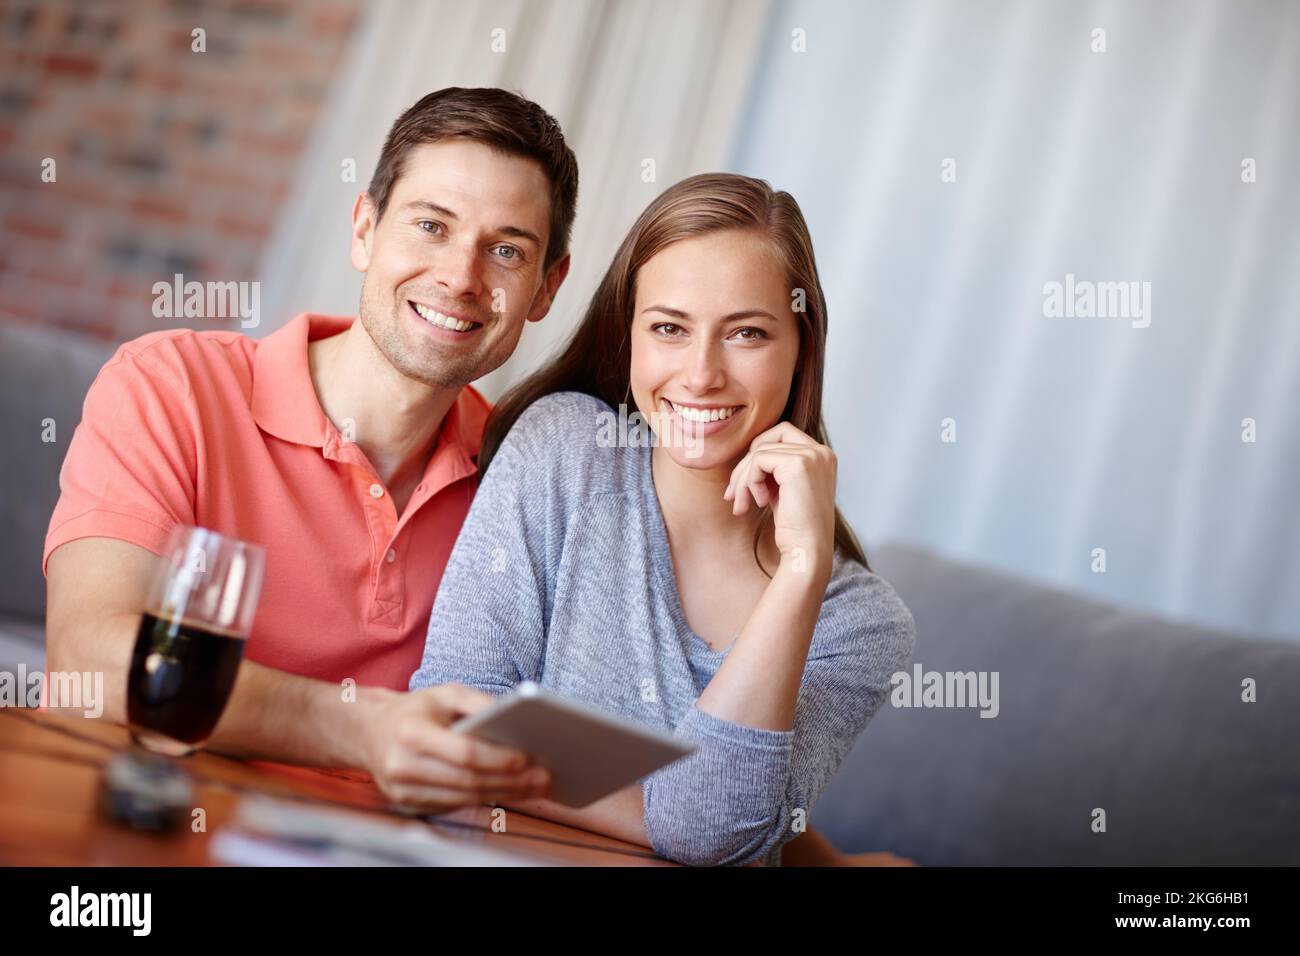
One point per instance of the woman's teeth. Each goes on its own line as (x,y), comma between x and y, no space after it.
(443,321)
(703,415)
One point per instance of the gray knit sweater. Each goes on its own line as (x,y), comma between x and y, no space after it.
(562,574)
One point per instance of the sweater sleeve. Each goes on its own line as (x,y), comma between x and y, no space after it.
(745,791)
(489,621)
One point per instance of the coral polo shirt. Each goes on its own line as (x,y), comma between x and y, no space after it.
(223,431)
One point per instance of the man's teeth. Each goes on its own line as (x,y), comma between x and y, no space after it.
(703,414)
(445,321)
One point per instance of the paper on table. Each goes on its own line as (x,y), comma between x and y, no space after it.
(270,832)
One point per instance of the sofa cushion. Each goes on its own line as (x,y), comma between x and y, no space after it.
(1098,708)
(44,374)
(22,641)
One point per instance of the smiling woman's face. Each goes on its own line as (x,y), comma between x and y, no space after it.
(714,345)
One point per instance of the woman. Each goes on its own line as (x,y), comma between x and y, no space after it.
(682,562)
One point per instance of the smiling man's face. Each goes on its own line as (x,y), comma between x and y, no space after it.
(454,268)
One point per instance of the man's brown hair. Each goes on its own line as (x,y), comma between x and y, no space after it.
(497,118)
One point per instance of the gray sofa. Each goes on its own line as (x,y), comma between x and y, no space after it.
(1097,707)
(44,374)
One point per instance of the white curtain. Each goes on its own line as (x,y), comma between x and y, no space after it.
(1072,434)
(628,81)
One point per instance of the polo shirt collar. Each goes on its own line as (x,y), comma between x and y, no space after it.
(455,453)
(465,422)
(284,399)
(285,403)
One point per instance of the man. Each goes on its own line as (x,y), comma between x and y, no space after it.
(345,447)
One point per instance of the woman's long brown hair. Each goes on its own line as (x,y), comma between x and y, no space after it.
(597,359)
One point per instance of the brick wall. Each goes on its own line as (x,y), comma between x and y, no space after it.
(167,160)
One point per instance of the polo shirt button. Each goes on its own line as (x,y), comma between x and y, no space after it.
(391,556)
(376,490)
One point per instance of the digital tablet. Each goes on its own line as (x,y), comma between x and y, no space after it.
(589,753)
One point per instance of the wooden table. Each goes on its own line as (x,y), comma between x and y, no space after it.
(51,767)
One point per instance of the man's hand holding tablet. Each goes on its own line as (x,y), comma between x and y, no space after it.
(589,753)
(420,764)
